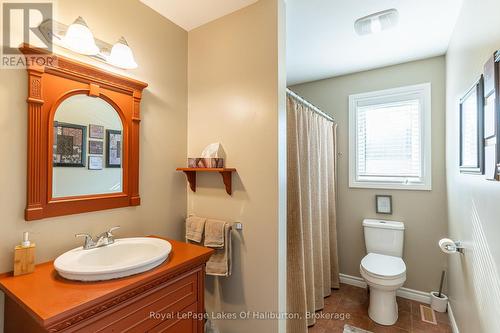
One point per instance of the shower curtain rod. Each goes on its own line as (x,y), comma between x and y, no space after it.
(312,106)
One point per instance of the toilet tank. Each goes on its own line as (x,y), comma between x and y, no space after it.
(384,237)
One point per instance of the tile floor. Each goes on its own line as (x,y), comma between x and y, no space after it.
(354,301)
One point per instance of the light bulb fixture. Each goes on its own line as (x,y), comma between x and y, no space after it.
(121,55)
(79,38)
(377,22)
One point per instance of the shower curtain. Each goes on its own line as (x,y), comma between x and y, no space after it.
(311,228)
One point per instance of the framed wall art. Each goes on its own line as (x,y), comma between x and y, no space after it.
(113,149)
(69,145)
(383,204)
(95,162)
(472,129)
(96,131)
(96,147)
(491,116)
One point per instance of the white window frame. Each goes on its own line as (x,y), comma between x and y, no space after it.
(419,91)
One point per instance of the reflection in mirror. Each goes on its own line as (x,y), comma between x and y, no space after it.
(87,148)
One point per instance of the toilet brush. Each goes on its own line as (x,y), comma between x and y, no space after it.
(439,301)
(441,284)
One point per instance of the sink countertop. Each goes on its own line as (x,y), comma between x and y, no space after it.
(48,297)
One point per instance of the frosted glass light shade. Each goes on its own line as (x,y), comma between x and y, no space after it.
(79,38)
(122,56)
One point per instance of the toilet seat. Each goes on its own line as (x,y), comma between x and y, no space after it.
(382,266)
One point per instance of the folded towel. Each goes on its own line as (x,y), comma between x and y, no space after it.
(219,263)
(194,228)
(214,234)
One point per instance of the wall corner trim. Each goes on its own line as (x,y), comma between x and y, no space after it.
(453,322)
(412,294)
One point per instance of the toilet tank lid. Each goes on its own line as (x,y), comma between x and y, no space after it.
(383,224)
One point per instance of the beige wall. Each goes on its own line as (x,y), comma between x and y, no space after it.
(423,212)
(160,48)
(233,99)
(473,202)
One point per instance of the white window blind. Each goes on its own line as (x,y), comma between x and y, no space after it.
(388,139)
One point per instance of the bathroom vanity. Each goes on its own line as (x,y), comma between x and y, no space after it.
(168,298)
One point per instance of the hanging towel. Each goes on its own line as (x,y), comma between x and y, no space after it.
(214,233)
(194,228)
(219,263)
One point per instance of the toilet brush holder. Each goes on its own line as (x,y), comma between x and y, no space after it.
(439,304)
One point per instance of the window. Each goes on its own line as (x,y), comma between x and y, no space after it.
(390,138)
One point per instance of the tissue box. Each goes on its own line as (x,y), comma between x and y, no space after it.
(201,162)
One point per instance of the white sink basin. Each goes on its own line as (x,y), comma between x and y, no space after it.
(126,256)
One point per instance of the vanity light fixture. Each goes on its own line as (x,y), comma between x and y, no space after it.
(121,55)
(377,22)
(80,39)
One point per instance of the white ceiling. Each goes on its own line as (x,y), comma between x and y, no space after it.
(322,43)
(190,14)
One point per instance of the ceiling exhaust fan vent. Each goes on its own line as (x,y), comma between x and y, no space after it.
(377,22)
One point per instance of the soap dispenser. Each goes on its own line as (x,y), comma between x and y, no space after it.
(24,256)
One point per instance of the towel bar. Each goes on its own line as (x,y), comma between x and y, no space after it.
(236,225)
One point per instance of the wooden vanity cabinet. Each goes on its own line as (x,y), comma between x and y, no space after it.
(168,299)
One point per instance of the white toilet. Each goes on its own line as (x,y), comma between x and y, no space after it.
(382,268)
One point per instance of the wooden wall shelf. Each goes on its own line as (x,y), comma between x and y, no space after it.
(226,174)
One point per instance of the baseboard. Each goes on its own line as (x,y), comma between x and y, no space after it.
(352,280)
(414,295)
(453,322)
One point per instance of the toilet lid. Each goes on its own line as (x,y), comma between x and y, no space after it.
(383,266)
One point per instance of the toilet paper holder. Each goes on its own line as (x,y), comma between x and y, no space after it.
(454,246)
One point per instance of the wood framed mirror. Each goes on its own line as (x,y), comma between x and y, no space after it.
(83,138)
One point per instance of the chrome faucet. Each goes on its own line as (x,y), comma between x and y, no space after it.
(106,238)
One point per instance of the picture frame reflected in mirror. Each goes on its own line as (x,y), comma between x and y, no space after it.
(69,146)
(96,147)
(113,149)
(96,131)
(95,162)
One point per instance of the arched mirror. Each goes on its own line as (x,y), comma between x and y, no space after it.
(83,138)
(87,148)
